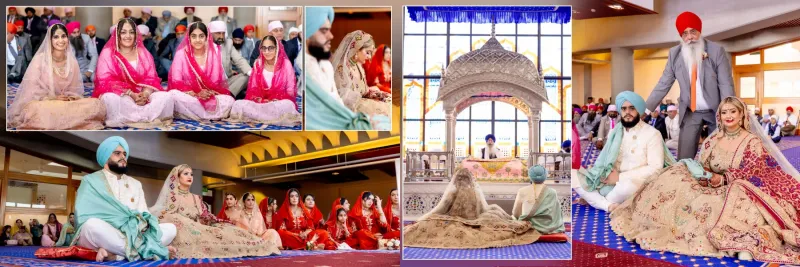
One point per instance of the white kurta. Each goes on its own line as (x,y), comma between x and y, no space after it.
(96,233)
(673,132)
(641,155)
(321,72)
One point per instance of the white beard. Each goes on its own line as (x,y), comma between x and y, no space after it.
(491,150)
(693,53)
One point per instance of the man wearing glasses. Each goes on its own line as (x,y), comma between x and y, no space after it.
(703,71)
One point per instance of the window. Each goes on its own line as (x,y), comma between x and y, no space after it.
(23,194)
(782,83)
(27,164)
(749,59)
(789,52)
(429,47)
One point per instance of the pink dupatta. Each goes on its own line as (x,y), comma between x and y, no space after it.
(115,74)
(186,75)
(284,85)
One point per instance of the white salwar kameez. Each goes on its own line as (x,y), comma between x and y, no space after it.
(189,107)
(673,132)
(641,155)
(96,233)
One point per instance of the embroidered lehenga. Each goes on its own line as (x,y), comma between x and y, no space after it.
(754,211)
(351,79)
(462,219)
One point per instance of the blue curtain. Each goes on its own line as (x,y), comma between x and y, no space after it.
(484,14)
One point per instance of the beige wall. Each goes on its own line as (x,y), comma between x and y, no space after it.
(577,84)
(203,12)
(601,82)
(646,75)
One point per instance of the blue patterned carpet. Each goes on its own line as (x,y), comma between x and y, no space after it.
(24,256)
(592,225)
(185,125)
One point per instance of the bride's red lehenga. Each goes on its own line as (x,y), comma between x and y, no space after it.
(365,226)
(290,227)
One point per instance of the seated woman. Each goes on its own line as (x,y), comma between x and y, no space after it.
(338,202)
(367,220)
(740,196)
(67,232)
(539,204)
(252,218)
(196,79)
(37,231)
(341,235)
(269,210)
(462,219)
(379,69)
(52,231)
(392,213)
(200,233)
(296,227)
(316,215)
(351,80)
(51,94)
(271,90)
(23,237)
(127,82)
(231,211)
(6,239)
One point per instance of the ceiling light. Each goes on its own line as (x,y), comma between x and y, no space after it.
(616,7)
(335,173)
(593,10)
(56,164)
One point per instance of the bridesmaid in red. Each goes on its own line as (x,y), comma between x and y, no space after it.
(232,211)
(316,215)
(367,220)
(269,210)
(339,231)
(338,202)
(392,211)
(295,224)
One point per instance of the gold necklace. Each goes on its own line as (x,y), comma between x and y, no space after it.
(183,192)
(733,135)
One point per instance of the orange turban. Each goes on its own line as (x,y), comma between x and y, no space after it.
(688,20)
(11,28)
(90,27)
(180,29)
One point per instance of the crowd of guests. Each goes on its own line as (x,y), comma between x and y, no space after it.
(214,71)
(50,234)
(778,126)
(596,120)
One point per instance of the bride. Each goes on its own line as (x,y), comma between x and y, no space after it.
(463,219)
(740,196)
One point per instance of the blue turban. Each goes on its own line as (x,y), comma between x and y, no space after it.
(490,136)
(636,100)
(108,146)
(166,13)
(537,174)
(567,143)
(315,17)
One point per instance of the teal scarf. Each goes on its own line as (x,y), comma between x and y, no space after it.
(327,114)
(607,158)
(141,230)
(65,239)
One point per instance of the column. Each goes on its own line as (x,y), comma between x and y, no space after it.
(197,185)
(245,15)
(587,85)
(621,71)
(533,131)
(100,17)
(450,132)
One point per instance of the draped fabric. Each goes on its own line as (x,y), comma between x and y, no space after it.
(331,115)
(392,231)
(186,75)
(116,75)
(65,238)
(332,215)
(488,14)
(365,226)
(376,75)
(317,218)
(340,232)
(263,206)
(284,85)
(290,227)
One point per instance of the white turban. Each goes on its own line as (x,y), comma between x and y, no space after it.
(143,29)
(275,24)
(51,8)
(612,108)
(218,26)
(672,108)
(293,30)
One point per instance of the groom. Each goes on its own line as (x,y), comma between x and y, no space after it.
(112,214)
(631,154)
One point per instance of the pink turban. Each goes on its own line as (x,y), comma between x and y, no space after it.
(275,24)
(143,29)
(147,10)
(72,26)
(612,107)
(66,10)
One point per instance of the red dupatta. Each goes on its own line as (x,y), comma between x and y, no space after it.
(284,85)
(356,211)
(332,215)
(387,210)
(114,74)
(284,213)
(186,75)
(374,70)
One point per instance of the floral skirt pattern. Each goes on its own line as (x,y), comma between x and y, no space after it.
(196,240)
(492,228)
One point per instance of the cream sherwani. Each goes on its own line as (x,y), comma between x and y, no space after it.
(321,72)
(641,155)
(673,132)
(97,233)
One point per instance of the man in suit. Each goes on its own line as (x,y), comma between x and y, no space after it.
(69,16)
(704,75)
(98,42)
(275,28)
(230,23)
(85,51)
(673,127)
(166,26)
(147,40)
(13,16)
(657,121)
(249,41)
(607,123)
(148,20)
(190,18)
(35,27)
(237,80)
(48,15)
(18,54)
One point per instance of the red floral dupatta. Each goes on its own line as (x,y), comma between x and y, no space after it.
(186,75)
(115,74)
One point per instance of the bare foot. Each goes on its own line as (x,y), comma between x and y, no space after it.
(581,201)
(173,252)
(612,207)
(102,254)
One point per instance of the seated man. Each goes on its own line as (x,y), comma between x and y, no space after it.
(166,55)
(587,123)
(538,204)
(490,151)
(631,154)
(657,121)
(112,214)
(237,80)
(608,123)
(673,127)
(773,130)
(18,53)
(789,122)
(85,51)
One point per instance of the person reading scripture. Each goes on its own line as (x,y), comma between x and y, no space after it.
(490,151)
(703,71)
(112,215)
(127,83)
(631,154)
(200,234)
(538,204)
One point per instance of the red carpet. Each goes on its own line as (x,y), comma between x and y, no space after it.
(584,254)
(349,259)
